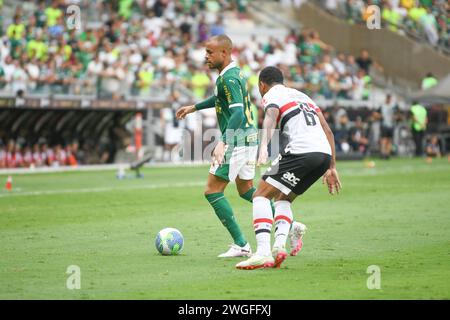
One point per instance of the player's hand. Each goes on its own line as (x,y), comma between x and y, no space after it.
(331,178)
(219,153)
(184,111)
(263,156)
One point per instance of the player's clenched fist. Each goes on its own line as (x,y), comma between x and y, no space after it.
(184,111)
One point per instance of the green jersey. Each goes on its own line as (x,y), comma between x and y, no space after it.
(420,115)
(233,107)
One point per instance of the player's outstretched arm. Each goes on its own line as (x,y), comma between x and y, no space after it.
(184,111)
(331,177)
(269,125)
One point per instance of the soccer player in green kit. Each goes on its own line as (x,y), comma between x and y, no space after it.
(234,157)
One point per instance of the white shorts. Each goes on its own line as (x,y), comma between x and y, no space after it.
(241,161)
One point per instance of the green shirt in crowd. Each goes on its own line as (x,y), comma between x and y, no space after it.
(429,82)
(419,113)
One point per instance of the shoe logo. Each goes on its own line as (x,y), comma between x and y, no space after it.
(290,178)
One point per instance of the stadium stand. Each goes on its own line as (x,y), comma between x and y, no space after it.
(132,56)
(420,19)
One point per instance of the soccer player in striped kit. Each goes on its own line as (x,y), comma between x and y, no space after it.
(308,155)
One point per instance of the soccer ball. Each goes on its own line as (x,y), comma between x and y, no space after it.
(169,241)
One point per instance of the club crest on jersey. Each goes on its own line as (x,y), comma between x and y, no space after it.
(290,178)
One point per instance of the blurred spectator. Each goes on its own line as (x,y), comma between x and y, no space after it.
(374,130)
(342,135)
(430,26)
(428,81)
(200,82)
(432,148)
(365,62)
(362,85)
(217,28)
(418,126)
(173,128)
(387,110)
(358,136)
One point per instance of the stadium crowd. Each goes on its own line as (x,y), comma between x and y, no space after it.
(21,154)
(141,48)
(427,19)
(384,131)
(14,155)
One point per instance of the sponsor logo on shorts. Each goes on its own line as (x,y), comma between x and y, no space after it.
(290,178)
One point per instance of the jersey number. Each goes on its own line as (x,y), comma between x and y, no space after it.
(248,113)
(309,116)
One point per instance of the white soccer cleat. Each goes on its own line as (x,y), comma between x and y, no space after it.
(256,262)
(236,251)
(296,234)
(279,254)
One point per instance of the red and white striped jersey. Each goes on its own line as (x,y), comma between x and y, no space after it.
(298,120)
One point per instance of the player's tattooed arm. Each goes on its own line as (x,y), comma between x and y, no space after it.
(331,177)
(269,125)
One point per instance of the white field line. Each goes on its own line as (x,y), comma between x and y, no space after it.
(103,189)
(355,168)
(99,167)
(343,172)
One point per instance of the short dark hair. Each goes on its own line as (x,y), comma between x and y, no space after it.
(271,75)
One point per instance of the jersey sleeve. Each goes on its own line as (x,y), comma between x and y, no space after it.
(268,102)
(233,93)
(205,104)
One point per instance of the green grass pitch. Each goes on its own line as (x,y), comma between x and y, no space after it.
(395,216)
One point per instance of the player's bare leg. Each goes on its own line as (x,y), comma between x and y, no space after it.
(214,194)
(245,188)
(215,184)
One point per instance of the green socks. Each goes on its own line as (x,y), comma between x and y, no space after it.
(249,194)
(224,212)
(249,197)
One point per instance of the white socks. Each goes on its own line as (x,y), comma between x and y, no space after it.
(262,223)
(283,220)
